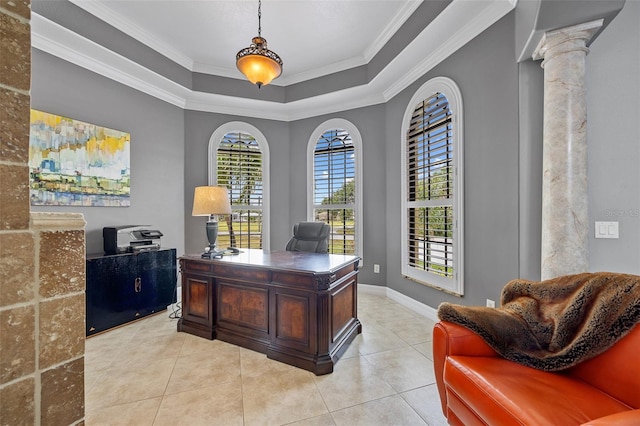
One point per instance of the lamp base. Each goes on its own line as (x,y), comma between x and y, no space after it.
(212,234)
(213,254)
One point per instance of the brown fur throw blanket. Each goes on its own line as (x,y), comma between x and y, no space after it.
(557,323)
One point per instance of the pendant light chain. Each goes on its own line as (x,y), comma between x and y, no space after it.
(259,18)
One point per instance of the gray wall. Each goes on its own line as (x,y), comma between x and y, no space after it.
(487,75)
(613,132)
(157,145)
(531,82)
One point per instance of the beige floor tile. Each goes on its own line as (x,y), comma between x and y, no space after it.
(413,331)
(158,325)
(323,420)
(352,382)
(91,378)
(213,405)
(204,369)
(194,344)
(131,383)
(392,410)
(255,364)
(367,302)
(138,413)
(393,312)
(145,349)
(403,368)
(101,355)
(146,372)
(375,339)
(425,349)
(426,402)
(281,397)
(103,349)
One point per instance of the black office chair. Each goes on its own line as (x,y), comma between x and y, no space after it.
(310,237)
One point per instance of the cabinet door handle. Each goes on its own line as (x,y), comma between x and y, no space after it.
(137,285)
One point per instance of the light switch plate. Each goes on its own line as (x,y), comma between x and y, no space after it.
(607,230)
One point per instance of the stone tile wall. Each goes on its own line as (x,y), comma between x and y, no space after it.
(42,266)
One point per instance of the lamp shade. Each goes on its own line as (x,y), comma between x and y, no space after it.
(259,64)
(208,200)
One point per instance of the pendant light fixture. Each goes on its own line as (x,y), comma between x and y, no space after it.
(259,64)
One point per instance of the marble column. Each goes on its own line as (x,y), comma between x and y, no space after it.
(565,217)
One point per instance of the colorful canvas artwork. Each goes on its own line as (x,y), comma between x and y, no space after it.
(73,163)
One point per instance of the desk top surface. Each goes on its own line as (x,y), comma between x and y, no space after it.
(285,260)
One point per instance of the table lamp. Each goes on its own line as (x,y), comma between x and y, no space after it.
(211,201)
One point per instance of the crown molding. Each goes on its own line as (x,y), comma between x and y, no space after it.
(459,23)
(333,68)
(398,20)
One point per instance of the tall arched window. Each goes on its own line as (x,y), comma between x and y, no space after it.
(335,182)
(433,186)
(238,160)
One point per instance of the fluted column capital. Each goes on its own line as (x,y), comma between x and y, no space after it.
(565,40)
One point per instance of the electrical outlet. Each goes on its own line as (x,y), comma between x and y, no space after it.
(491,303)
(376,268)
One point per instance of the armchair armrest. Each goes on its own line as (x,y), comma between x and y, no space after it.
(453,339)
(631,417)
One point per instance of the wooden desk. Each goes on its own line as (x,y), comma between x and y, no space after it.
(298,308)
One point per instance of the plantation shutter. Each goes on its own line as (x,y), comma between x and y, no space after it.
(430,185)
(239,168)
(334,198)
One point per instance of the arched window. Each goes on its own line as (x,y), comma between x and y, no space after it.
(433,186)
(239,160)
(335,183)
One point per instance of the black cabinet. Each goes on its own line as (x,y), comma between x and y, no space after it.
(124,287)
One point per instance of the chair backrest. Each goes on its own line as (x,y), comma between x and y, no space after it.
(310,237)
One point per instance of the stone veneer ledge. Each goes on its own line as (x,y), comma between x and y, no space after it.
(57,221)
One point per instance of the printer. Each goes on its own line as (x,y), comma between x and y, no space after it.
(130,239)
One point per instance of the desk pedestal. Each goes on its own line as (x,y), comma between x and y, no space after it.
(298,308)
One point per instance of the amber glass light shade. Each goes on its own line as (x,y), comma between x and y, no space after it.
(259,64)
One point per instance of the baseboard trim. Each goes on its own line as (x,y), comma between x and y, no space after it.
(406,301)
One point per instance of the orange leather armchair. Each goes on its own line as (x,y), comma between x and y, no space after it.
(479,387)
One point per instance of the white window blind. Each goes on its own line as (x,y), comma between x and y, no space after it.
(239,168)
(430,187)
(334,196)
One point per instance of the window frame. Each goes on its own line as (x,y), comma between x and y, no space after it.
(356,139)
(450,90)
(214,143)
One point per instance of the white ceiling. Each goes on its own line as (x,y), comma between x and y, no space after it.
(313,37)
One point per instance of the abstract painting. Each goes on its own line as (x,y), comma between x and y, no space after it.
(72,163)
